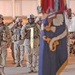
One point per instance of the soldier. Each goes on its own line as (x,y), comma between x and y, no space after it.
(18,43)
(11,25)
(38,21)
(5,39)
(31,54)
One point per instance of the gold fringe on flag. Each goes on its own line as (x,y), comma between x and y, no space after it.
(62,67)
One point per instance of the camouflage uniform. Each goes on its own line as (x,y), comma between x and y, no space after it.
(18,43)
(38,21)
(31,54)
(5,39)
(11,26)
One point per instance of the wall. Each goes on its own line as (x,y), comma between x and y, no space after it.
(21,7)
(6,7)
(72,5)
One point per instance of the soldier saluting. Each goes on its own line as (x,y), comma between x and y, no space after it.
(18,42)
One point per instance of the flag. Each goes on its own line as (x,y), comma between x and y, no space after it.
(62,5)
(48,6)
(53,55)
(52,62)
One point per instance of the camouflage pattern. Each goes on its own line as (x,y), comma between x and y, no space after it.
(5,39)
(31,54)
(18,47)
(36,30)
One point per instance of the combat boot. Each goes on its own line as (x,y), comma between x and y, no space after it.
(34,70)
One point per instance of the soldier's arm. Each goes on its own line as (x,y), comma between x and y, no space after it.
(8,32)
(12,26)
(23,32)
(39,29)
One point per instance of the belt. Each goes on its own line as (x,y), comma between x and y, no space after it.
(18,40)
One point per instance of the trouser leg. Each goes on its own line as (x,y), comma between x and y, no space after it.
(21,53)
(35,52)
(12,48)
(28,53)
(15,51)
(4,54)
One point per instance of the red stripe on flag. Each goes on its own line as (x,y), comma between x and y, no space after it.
(45,4)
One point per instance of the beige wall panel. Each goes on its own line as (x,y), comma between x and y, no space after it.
(6,7)
(18,7)
(72,5)
(22,7)
(29,6)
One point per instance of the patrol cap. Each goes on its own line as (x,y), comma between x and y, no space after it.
(18,20)
(1,16)
(51,15)
(37,19)
(30,16)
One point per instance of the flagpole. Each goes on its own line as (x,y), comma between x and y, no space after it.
(39,2)
(68,3)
